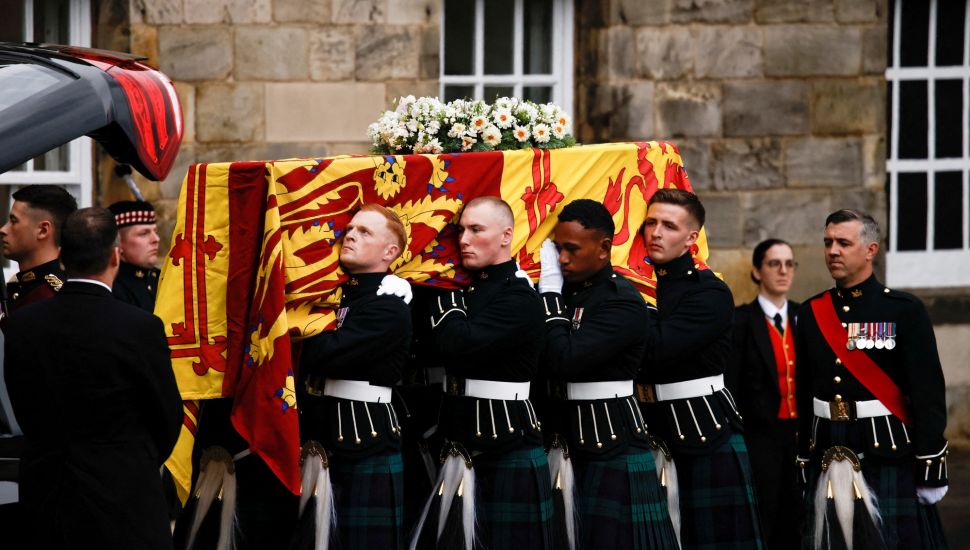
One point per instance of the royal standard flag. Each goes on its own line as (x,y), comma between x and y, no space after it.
(254,268)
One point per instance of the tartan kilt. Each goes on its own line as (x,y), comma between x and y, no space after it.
(514,499)
(368,501)
(906,524)
(717,503)
(621,504)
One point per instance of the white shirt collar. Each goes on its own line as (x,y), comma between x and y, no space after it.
(92,281)
(771,309)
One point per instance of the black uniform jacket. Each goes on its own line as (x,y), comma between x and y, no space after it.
(753,373)
(500,338)
(136,286)
(91,382)
(913,364)
(370,343)
(33,285)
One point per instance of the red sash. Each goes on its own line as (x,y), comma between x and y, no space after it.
(856,361)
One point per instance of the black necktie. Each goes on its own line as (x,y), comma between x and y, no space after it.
(778,324)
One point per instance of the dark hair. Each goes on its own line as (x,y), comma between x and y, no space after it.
(88,239)
(686,199)
(870,229)
(591,215)
(53,200)
(758,256)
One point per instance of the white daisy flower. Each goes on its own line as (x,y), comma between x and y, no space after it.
(479,123)
(467,142)
(457,130)
(492,136)
(503,118)
(521,133)
(559,131)
(541,133)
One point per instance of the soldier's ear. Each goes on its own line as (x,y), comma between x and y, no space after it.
(45,230)
(871,250)
(507,236)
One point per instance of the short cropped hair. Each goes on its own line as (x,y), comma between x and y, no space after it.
(758,256)
(505,211)
(54,200)
(88,239)
(394,223)
(870,229)
(686,199)
(591,215)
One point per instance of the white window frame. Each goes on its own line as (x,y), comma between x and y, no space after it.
(561,77)
(927,268)
(80,150)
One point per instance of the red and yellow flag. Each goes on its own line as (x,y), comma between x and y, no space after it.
(254,261)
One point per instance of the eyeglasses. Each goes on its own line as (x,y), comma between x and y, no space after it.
(776,264)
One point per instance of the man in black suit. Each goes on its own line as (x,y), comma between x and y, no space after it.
(762,373)
(91,382)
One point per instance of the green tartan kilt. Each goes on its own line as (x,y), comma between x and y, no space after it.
(621,503)
(514,499)
(717,502)
(368,501)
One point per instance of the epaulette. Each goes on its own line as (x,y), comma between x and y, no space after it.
(900,295)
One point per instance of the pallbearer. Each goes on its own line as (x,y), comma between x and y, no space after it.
(595,341)
(871,402)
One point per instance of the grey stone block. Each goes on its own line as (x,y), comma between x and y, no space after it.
(846,106)
(795,50)
(227,11)
(301,11)
(413,12)
(229,112)
(663,53)
(687,109)
(195,53)
(712,11)
(794,11)
(727,52)
(172,185)
(332,52)
(271,53)
(747,164)
(696,155)
(795,216)
(874,162)
(157,12)
(766,108)
(633,112)
(860,11)
(401,88)
(359,11)
(723,223)
(430,57)
(639,12)
(616,47)
(385,52)
(874,44)
(824,162)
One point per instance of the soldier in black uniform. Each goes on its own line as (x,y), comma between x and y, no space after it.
(681,385)
(346,415)
(137,281)
(594,344)
(490,337)
(871,391)
(31,237)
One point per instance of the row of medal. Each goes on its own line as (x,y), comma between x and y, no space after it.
(871,335)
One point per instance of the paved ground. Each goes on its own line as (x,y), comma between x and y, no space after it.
(955,507)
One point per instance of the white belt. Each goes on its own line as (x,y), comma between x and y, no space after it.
(493,389)
(689,388)
(589,391)
(863,409)
(434,375)
(357,390)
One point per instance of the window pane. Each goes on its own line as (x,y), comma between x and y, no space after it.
(912,119)
(459,92)
(498,36)
(539,94)
(492,92)
(51,19)
(948,204)
(911,223)
(12,22)
(915,31)
(537,37)
(949,32)
(57,159)
(949,112)
(891,10)
(459,36)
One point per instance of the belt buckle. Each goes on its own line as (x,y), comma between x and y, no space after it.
(646,393)
(557,390)
(311,387)
(454,385)
(839,411)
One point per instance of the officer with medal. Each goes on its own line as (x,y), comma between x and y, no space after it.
(594,345)
(681,385)
(871,401)
(351,432)
(31,237)
(137,281)
(489,336)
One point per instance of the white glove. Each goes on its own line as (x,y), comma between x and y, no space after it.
(930,495)
(392,285)
(520,273)
(550,276)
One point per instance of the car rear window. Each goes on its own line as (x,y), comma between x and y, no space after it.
(19,81)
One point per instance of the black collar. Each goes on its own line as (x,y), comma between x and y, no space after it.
(362,283)
(596,279)
(677,268)
(38,272)
(869,287)
(496,272)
